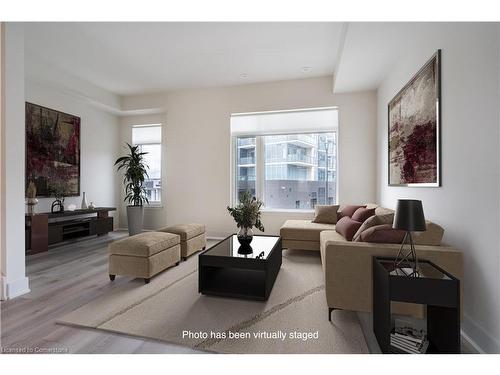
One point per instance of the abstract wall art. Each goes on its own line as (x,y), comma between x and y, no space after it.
(52,151)
(414,129)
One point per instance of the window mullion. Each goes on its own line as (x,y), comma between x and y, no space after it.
(259,163)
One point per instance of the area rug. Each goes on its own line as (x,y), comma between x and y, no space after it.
(293,320)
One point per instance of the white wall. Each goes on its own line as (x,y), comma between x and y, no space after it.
(14,280)
(467,204)
(197,136)
(98,145)
(2,173)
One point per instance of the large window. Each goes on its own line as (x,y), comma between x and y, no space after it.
(292,171)
(245,170)
(148,138)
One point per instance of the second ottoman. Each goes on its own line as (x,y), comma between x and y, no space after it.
(192,235)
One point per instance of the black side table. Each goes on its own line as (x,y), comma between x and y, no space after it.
(433,287)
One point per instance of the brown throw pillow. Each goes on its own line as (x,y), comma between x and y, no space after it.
(347,227)
(384,233)
(325,214)
(368,223)
(361,214)
(349,210)
(371,222)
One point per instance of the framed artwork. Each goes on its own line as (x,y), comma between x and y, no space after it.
(414,129)
(52,151)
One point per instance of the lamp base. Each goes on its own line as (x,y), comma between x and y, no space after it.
(407,256)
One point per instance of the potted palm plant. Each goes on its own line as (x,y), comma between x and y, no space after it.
(135,172)
(247,215)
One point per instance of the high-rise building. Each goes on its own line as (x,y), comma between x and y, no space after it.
(299,169)
(246,165)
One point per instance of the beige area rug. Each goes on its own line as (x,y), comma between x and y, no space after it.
(171,309)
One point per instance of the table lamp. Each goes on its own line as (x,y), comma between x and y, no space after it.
(409,216)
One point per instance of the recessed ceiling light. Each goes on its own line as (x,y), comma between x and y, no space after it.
(243,75)
(306,69)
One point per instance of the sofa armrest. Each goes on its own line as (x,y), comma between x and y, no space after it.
(348,271)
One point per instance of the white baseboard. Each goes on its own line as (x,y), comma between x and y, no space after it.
(470,346)
(477,338)
(15,288)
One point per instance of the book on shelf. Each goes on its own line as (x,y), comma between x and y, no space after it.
(409,344)
(404,344)
(405,328)
(408,337)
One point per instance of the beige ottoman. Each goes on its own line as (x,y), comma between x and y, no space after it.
(193,237)
(144,255)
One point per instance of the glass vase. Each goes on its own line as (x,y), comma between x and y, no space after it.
(245,236)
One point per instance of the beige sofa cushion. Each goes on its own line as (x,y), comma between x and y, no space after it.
(333,236)
(303,230)
(144,244)
(379,210)
(431,237)
(325,214)
(383,211)
(186,231)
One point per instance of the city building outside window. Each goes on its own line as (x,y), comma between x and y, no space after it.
(286,158)
(299,169)
(148,138)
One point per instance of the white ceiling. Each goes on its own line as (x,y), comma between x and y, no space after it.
(371,50)
(137,58)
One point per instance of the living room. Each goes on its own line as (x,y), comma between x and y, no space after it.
(301,115)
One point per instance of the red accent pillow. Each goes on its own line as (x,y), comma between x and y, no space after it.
(384,233)
(347,227)
(349,210)
(361,214)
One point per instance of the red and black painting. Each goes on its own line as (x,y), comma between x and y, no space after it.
(414,144)
(52,151)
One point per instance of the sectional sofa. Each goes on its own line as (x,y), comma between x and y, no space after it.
(347,265)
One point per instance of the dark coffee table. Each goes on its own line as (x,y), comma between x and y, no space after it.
(230,270)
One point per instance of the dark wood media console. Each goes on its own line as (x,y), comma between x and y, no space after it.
(48,228)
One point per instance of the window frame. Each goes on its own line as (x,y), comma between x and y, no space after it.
(154,204)
(260,167)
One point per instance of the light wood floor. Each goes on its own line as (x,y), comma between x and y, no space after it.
(66,278)
(62,280)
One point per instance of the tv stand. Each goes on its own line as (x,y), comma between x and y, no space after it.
(44,229)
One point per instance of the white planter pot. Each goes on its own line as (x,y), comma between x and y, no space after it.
(135,216)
